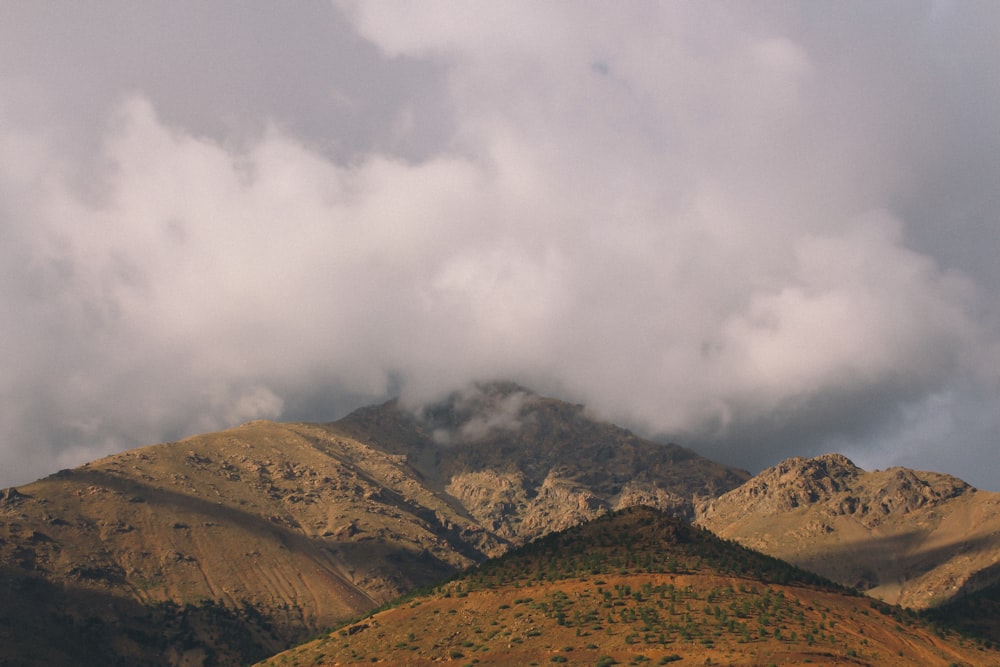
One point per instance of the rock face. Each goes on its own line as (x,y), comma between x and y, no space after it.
(909,537)
(523,465)
(227,547)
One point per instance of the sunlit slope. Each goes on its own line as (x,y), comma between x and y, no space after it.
(303,527)
(909,537)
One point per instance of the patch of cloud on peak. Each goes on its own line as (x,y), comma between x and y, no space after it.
(476,412)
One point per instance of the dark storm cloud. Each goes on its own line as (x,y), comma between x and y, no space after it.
(762,231)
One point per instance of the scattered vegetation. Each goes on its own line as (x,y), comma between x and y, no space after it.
(638,587)
(606,546)
(977,616)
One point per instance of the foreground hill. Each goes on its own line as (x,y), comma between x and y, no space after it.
(908,537)
(638,587)
(227,547)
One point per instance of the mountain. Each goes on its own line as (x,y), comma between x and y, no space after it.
(633,587)
(283,523)
(523,465)
(227,547)
(907,537)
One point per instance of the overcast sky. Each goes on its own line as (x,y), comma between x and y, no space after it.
(756,229)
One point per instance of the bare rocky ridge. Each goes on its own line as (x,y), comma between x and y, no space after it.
(523,465)
(226,547)
(908,537)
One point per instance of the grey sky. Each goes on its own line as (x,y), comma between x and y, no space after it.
(759,230)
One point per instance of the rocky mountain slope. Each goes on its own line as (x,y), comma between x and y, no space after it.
(523,465)
(908,537)
(638,587)
(226,547)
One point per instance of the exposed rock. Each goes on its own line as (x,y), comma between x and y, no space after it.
(10,497)
(909,537)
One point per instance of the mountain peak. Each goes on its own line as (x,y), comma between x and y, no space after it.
(475,412)
(524,464)
(819,512)
(824,465)
(794,482)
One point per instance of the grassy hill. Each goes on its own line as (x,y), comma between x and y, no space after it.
(638,587)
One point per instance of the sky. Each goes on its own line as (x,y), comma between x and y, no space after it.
(759,230)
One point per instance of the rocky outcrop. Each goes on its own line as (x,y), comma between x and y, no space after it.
(524,465)
(910,537)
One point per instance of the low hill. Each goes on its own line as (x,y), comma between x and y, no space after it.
(638,587)
(907,537)
(227,547)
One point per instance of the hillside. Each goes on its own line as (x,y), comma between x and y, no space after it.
(638,587)
(976,614)
(301,528)
(227,547)
(907,537)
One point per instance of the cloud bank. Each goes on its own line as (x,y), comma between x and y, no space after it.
(757,233)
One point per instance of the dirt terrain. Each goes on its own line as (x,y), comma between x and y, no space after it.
(574,605)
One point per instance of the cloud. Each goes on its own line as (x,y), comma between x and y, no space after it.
(708,223)
(475,412)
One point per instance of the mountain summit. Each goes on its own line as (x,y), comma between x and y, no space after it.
(909,537)
(523,465)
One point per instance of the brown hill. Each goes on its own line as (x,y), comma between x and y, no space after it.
(226,547)
(907,537)
(638,587)
(300,527)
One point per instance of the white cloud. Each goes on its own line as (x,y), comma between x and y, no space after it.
(692,217)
